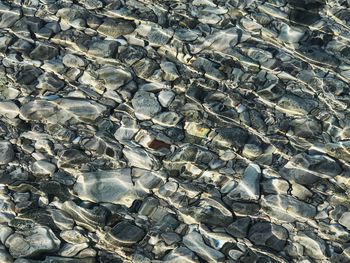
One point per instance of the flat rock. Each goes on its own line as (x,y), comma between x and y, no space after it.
(126,234)
(34,242)
(194,241)
(114,186)
(145,105)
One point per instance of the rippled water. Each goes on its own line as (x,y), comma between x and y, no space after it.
(174,131)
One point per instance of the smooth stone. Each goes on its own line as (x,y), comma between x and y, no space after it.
(114,77)
(308,169)
(61,219)
(194,241)
(230,137)
(43,52)
(72,158)
(167,119)
(49,82)
(6,152)
(5,257)
(8,109)
(145,105)
(269,235)
(344,220)
(248,188)
(165,97)
(138,157)
(92,4)
(295,105)
(116,28)
(314,246)
(103,48)
(113,186)
(71,250)
(43,168)
(5,232)
(145,68)
(239,228)
(126,234)
(287,208)
(170,71)
(33,242)
(73,236)
(180,255)
(73,61)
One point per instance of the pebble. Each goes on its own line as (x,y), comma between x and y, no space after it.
(7,153)
(145,105)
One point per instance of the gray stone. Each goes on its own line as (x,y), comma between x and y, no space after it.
(114,186)
(165,97)
(167,119)
(180,255)
(269,235)
(125,234)
(145,105)
(116,28)
(103,48)
(8,109)
(344,220)
(287,208)
(138,157)
(6,152)
(248,188)
(43,52)
(36,241)
(145,68)
(43,168)
(239,228)
(194,241)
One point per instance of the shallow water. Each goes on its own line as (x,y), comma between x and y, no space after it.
(174,131)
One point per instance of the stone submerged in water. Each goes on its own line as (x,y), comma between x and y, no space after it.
(33,242)
(6,152)
(125,234)
(114,186)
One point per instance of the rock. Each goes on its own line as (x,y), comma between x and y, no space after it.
(43,52)
(114,186)
(145,68)
(89,218)
(73,237)
(344,220)
(8,109)
(140,158)
(170,71)
(275,186)
(5,257)
(145,105)
(269,235)
(287,208)
(71,250)
(165,97)
(194,241)
(209,212)
(180,255)
(49,82)
(239,228)
(116,28)
(168,119)
(103,48)
(36,241)
(72,158)
(43,168)
(125,234)
(73,61)
(248,188)
(295,105)
(314,246)
(228,137)
(308,169)
(6,152)
(114,77)
(92,4)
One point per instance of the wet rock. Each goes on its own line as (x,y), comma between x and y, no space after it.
(239,228)
(194,241)
(116,28)
(6,152)
(228,137)
(33,242)
(140,158)
(344,220)
(180,254)
(43,52)
(145,68)
(145,105)
(268,234)
(168,119)
(43,168)
(314,247)
(103,48)
(106,186)
(248,189)
(287,208)
(9,109)
(126,234)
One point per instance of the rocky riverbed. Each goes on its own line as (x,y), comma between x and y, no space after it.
(184,131)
